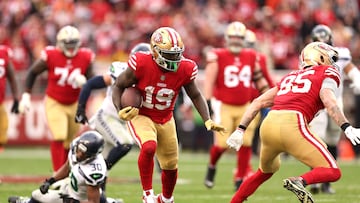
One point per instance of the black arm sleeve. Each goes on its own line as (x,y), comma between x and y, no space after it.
(96,82)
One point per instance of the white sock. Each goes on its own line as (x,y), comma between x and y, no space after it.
(148,192)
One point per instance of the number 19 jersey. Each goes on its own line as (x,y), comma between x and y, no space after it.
(159,87)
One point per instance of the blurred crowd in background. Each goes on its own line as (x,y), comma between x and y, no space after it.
(112,27)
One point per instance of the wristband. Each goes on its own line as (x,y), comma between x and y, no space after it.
(242,127)
(344,126)
(51,180)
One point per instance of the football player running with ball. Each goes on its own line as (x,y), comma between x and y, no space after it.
(79,179)
(68,66)
(322,124)
(159,76)
(118,140)
(294,102)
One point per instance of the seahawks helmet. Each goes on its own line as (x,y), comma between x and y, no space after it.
(322,33)
(91,143)
(144,47)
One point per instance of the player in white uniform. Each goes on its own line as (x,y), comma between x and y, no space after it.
(79,179)
(322,124)
(118,140)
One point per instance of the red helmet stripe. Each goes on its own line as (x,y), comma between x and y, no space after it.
(173,36)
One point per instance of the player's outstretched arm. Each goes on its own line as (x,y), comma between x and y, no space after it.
(96,82)
(263,101)
(201,106)
(329,100)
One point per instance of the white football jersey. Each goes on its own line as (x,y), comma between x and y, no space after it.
(84,174)
(115,69)
(343,61)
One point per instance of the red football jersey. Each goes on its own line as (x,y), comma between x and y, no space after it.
(5,56)
(233,84)
(299,90)
(62,72)
(160,88)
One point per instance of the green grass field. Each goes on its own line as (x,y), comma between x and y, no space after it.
(124,182)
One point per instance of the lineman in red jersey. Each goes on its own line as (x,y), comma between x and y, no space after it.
(295,100)
(6,73)
(250,42)
(230,75)
(159,76)
(68,66)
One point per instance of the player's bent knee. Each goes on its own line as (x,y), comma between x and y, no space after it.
(149,147)
(335,174)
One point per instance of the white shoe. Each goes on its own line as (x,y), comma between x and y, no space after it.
(161,199)
(149,199)
(112,200)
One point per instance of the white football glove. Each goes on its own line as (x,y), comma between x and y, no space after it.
(25,103)
(353,134)
(236,139)
(80,80)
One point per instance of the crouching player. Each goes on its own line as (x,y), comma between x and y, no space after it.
(79,179)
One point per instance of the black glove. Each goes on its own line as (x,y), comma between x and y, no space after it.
(46,185)
(15,107)
(210,107)
(80,116)
(67,199)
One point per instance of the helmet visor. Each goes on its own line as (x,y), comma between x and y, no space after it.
(171,56)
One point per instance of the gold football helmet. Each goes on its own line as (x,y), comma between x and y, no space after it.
(68,40)
(250,39)
(234,36)
(167,48)
(318,53)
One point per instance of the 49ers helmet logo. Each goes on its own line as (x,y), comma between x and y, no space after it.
(158,38)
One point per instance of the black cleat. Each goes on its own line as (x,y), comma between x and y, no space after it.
(18,199)
(326,189)
(237,184)
(315,189)
(209,179)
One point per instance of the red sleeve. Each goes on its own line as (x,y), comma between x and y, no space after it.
(264,69)
(333,73)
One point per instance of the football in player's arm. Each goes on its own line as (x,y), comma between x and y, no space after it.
(118,141)
(159,76)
